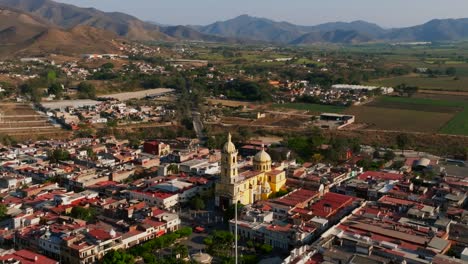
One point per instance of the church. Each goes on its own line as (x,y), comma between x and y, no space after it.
(246,185)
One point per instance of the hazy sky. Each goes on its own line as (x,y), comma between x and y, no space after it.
(387,13)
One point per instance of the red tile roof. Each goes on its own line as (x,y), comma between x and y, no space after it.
(378,175)
(330,204)
(28,257)
(100,234)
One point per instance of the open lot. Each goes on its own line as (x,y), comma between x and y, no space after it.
(139,94)
(230,103)
(312,108)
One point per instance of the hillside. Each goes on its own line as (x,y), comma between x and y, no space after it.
(24,34)
(17,27)
(283,32)
(336,36)
(254,28)
(78,40)
(69,16)
(241,29)
(434,30)
(336,32)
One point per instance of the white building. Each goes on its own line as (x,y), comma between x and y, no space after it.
(360,88)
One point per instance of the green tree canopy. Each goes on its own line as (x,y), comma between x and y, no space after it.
(83,213)
(58,155)
(86,91)
(402,141)
(117,257)
(56,89)
(197,203)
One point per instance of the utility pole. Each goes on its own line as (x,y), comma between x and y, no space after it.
(235,231)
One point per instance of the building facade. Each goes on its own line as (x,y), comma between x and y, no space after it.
(249,186)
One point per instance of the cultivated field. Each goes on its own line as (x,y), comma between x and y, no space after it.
(423,82)
(398,119)
(436,114)
(22,120)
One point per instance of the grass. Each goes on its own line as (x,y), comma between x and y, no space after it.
(427,83)
(458,125)
(315,108)
(427,115)
(400,119)
(420,101)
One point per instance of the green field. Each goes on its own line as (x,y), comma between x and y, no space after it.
(427,83)
(457,125)
(314,108)
(419,101)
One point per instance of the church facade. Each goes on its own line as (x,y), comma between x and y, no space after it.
(249,186)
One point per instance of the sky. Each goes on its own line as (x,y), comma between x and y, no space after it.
(387,13)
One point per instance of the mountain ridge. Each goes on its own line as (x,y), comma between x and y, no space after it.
(24,34)
(241,29)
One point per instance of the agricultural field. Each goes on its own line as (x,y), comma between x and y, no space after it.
(416,114)
(21,119)
(428,83)
(312,108)
(380,118)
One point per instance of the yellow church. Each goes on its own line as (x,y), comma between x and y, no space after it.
(252,183)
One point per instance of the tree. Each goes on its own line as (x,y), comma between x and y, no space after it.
(56,89)
(3,211)
(376,154)
(32,91)
(389,155)
(220,243)
(403,89)
(402,141)
(173,169)
(451,71)
(197,203)
(266,249)
(117,257)
(51,77)
(184,231)
(58,155)
(86,91)
(108,66)
(317,158)
(83,213)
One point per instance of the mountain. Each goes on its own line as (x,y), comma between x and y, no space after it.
(434,30)
(187,33)
(336,36)
(24,34)
(283,32)
(242,29)
(248,27)
(69,16)
(360,26)
(17,27)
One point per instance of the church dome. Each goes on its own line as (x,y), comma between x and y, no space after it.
(262,157)
(229,147)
